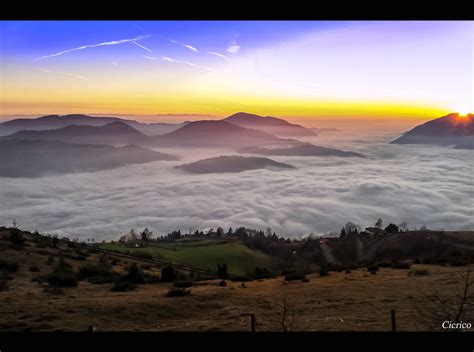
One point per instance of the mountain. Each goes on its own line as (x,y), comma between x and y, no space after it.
(300,150)
(450,130)
(272,125)
(231,163)
(115,133)
(217,134)
(20,158)
(50,122)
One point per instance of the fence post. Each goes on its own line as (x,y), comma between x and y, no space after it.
(252,322)
(394,324)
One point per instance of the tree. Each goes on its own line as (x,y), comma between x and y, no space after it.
(268,231)
(146,235)
(230,232)
(392,228)
(403,226)
(222,271)
(220,232)
(379,223)
(167,274)
(350,228)
(343,233)
(423,228)
(454,304)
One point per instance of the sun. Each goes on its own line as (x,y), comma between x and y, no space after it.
(462,111)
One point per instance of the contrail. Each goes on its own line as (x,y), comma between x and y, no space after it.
(219,55)
(185,45)
(142,46)
(168,59)
(114,42)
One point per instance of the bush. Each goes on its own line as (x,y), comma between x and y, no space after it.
(182,283)
(240,278)
(372,268)
(168,274)
(115,262)
(135,274)
(263,273)
(348,271)
(458,262)
(146,266)
(294,277)
(420,272)
(222,283)
(100,273)
(323,270)
(400,265)
(63,276)
(384,265)
(50,260)
(123,286)
(54,290)
(178,292)
(143,255)
(16,237)
(5,275)
(305,280)
(10,267)
(4,286)
(34,268)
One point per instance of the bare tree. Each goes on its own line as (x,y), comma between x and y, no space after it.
(403,226)
(379,223)
(287,315)
(453,304)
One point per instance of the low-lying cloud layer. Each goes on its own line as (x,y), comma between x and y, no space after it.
(418,184)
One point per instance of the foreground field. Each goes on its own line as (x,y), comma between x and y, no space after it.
(339,302)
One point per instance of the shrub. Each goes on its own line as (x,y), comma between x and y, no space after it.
(16,237)
(34,268)
(458,262)
(240,278)
(115,262)
(100,273)
(146,266)
(183,283)
(54,290)
(10,267)
(305,280)
(143,255)
(63,276)
(50,260)
(135,274)
(294,277)
(384,264)
(4,286)
(222,283)
(400,265)
(167,274)
(178,292)
(420,272)
(372,268)
(123,285)
(348,271)
(323,270)
(263,273)
(222,270)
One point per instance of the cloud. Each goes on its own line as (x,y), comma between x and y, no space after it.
(49,71)
(169,59)
(219,55)
(192,48)
(114,63)
(417,184)
(233,48)
(114,42)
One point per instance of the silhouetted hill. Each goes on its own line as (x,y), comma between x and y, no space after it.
(20,158)
(272,125)
(50,122)
(450,130)
(216,134)
(232,163)
(116,133)
(300,150)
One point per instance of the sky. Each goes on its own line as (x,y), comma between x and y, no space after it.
(300,70)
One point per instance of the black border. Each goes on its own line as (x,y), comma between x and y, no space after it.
(236,10)
(244,341)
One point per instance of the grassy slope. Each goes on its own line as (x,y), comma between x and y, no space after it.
(239,258)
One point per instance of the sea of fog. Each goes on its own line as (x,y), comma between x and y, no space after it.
(418,184)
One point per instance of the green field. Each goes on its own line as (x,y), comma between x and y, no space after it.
(240,260)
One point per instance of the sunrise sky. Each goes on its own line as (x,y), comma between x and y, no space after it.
(300,70)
